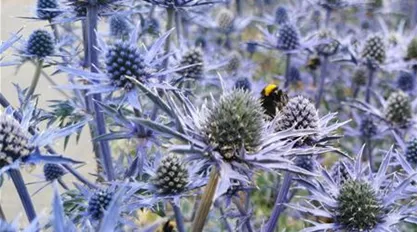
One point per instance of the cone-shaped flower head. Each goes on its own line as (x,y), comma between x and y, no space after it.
(99,202)
(47,9)
(360,77)
(52,171)
(40,44)
(236,123)
(235,62)
(374,50)
(194,56)
(281,15)
(171,176)
(14,141)
(411,151)
(122,60)
(243,83)
(288,37)
(330,46)
(398,109)
(368,127)
(355,195)
(119,26)
(225,20)
(299,113)
(406,81)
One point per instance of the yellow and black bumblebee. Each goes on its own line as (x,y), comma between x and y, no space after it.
(313,63)
(273,99)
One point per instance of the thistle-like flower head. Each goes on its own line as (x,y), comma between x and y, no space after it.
(47,9)
(374,50)
(99,202)
(411,151)
(355,195)
(288,37)
(360,77)
(235,62)
(356,199)
(367,127)
(171,176)
(329,46)
(281,15)
(40,44)
(398,109)
(123,60)
(120,26)
(299,113)
(53,171)
(14,141)
(406,81)
(225,20)
(193,56)
(235,123)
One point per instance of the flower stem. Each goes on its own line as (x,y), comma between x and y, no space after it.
(369,85)
(239,6)
(323,74)
(287,71)
(278,207)
(178,27)
(206,202)
(170,21)
(243,213)
(35,79)
(23,193)
(179,219)
(105,155)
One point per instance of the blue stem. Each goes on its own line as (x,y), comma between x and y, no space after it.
(23,193)
(323,73)
(178,217)
(278,207)
(369,85)
(287,70)
(105,155)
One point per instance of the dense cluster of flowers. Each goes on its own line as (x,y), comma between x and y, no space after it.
(209,115)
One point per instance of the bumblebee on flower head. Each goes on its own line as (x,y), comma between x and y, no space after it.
(273,99)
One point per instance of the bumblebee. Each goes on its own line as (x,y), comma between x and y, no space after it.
(273,99)
(313,63)
(169,226)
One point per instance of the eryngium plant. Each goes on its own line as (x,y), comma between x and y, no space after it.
(53,171)
(40,44)
(193,57)
(47,9)
(374,50)
(171,176)
(14,141)
(99,202)
(288,37)
(411,151)
(120,26)
(236,123)
(398,109)
(364,201)
(123,60)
